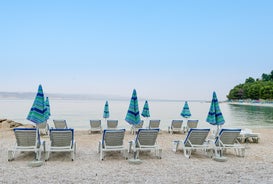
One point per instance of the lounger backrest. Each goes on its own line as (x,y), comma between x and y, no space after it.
(112,123)
(196,136)
(113,137)
(146,137)
(140,125)
(95,123)
(26,137)
(61,137)
(177,123)
(41,125)
(60,123)
(227,136)
(192,123)
(154,123)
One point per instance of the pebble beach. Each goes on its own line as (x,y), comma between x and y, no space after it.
(255,167)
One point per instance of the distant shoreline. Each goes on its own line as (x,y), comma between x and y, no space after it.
(252,104)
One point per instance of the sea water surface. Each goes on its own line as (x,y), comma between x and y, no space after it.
(79,112)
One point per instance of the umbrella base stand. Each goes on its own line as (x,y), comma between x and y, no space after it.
(220,159)
(134,161)
(35,163)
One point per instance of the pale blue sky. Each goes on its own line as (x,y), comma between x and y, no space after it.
(181,50)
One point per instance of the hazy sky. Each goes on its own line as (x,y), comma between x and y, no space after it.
(164,49)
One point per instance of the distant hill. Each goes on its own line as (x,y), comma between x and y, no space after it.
(30,95)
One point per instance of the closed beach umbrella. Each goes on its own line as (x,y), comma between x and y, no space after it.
(37,111)
(106,113)
(146,112)
(186,111)
(132,116)
(215,116)
(47,106)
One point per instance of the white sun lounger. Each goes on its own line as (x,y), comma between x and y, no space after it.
(145,141)
(112,140)
(27,140)
(60,123)
(154,123)
(61,140)
(135,128)
(227,139)
(191,124)
(176,126)
(95,126)
(112,124)
(43,128)
(195,139)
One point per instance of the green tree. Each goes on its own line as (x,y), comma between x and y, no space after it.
(266,77)
(254,92)
(250,80)
(267,92)
(254,89)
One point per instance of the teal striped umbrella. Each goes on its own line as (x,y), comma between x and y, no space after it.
(106,113)
(146,111)
(215,116)
(132,116)
(37,111)
(186,111)
(47,106)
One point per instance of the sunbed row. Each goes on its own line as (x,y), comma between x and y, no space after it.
(95,125)
(62,140)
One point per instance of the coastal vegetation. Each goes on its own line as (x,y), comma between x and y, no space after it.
(259,89)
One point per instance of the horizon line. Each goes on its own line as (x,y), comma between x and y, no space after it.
(79,96)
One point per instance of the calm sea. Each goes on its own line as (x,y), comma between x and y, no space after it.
(79,112)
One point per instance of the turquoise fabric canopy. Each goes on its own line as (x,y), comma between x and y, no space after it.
(106,113)
(38,109)
(146,111)
(132,116)
(47,106)
(186,111)
(215,116)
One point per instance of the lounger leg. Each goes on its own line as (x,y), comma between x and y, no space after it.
(136,154)
(187,153)
(11,155)
(73,153)
(175,145)
(125,153)
(101,151)
(240,152)
(159,153)
(101,155)
(47,155)
(99,147)
(130,146)
(38,154)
